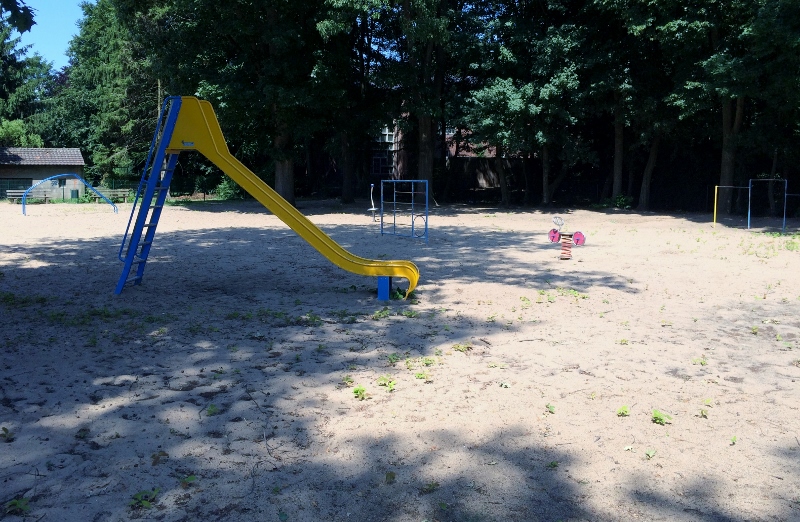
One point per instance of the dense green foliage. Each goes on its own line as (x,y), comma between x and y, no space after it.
(637,103)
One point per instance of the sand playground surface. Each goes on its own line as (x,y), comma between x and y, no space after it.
(655,376)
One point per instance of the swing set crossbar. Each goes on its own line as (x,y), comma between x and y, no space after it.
(749,188)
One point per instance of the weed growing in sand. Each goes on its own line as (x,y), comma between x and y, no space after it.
(462,347)
(623,411)
(17,301)
(552,465)
(754,330)
(564,292)
(428,361)
(188,481)
(393,358)
(212,410)
(430,487)
(360,393)
(410,313)
(550,408)
(733,440)
(438,352)
(660,418)
(702,361)
(526,303)
(650,454)
(347,380)
(7,435)
(623,342)
(383,313)
(144,499)
(18,506)
(505,384)
(424,376)
(703,414)
(385,380)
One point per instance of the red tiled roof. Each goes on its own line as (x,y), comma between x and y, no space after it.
(23,156)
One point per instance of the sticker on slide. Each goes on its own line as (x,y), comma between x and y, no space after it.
(578,238)
(554,235)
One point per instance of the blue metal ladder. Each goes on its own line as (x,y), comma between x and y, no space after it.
(153,190)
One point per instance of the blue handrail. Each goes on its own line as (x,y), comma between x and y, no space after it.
(143,181)
(25,194)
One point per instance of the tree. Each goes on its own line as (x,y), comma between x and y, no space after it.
(253,60)
(20,16)
(14,133)
(529,96)
(106,101)
(23,85)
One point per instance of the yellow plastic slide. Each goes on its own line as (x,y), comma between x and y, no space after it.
(197,129)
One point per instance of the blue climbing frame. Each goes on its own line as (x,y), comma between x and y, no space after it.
(408,200)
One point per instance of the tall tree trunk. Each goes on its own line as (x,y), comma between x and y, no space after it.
(399,156)
(731,125)
(526,200)
(450,170)
(773,208)
(647,177)
(545,175)
(284,171)
(348,176)
(606,192)
(505,197)
(631,181)
(284,179)
(426,146)
(619,128)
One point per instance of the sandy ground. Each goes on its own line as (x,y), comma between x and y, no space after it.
(223,388)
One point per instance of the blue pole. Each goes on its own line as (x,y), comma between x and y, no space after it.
(426,211)
(413,195)
(394,208)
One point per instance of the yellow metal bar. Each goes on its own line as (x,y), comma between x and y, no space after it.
(715,206)
(197,129)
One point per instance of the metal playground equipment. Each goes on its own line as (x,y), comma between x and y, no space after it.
(407,202)
(59,176)
(567,239)
(749,188)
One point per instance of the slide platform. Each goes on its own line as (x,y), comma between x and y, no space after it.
(197,129)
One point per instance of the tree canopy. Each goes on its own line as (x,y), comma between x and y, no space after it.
(646,104)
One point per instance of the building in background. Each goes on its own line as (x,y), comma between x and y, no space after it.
(21,168)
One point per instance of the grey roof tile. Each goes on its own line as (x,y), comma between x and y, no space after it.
(24,156)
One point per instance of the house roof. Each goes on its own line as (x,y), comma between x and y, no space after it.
(24,156)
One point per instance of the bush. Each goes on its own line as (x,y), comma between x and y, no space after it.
(229,189)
